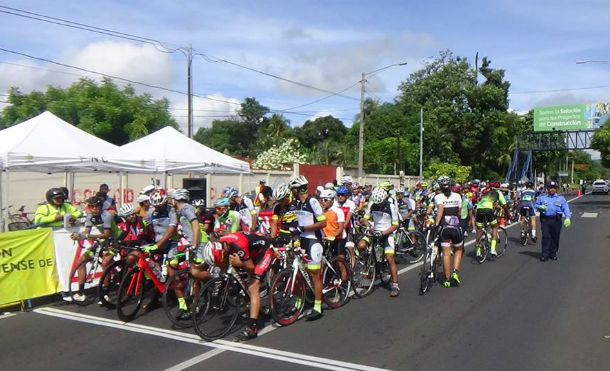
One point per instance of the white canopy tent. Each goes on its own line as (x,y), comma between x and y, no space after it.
(173,152)
(48,144)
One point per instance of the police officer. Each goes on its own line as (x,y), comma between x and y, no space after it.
(553,208)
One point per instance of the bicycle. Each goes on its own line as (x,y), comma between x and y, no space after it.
(111,277)
(90,272)
(485,242)
(370,264)
(526,227)
(18,221)
(429,272)
(412,252)
(292,287)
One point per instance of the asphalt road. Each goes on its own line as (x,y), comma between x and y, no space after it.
(512,313)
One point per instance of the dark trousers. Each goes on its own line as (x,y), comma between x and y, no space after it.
(551,229)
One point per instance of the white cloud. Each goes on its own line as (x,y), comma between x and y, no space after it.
(204,110)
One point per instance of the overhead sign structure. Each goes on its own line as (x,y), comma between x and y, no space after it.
(569,117)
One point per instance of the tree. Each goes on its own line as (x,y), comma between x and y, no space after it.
(252,113)
(457,173)
(601,142)
(312,133)
(227,136)
(104,110)
(280,156)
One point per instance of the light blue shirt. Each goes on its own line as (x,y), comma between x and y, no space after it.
(555,205)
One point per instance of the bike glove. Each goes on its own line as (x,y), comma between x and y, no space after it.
(542,207)
(567,223)
(149,248)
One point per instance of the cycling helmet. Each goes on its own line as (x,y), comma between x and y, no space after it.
(346,179)
(141,198)
(483,184)
(494,185)
(281,191)
(199,202)
(158,198)
(180,194)
(476,182)
(94,201)
(221,202)
(424,184)
(386,185)
(66,192)
(456,188)
(328,193)
(212,253)
(342,191)
(379,194)
(53,193)
(400,190)
(298,182)
(486,191)
(418,183)
(231,193)
(147,189)
(504,185)
(329,185)
(443,181)
(126,210)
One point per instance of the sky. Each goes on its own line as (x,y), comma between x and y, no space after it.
(292,56)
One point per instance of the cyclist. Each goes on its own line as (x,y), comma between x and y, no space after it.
(335,227)
(225,220)
(52,212)
(384,215)
(449,205)
(248,252)
(490,199)
(103,220)
(467,210)
(311,220)
(108,203)
(347,182)
(348,207)
(475,189)
(526,206)
(284,214)
(205,216)
(244,206)
(143,207)
(265,212)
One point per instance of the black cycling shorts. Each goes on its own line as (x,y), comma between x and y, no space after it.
(485,216)
(453,234)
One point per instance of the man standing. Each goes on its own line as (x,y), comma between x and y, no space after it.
(552,208)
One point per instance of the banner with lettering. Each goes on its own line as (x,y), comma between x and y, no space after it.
(27,265)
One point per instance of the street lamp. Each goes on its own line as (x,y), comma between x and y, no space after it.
(591,61)
(361,131)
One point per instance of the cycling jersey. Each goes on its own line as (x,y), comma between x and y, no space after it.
(132,234)
(451,208)
(286,217)
(230,222)
(490,199)
(308,213)
(334,216)
(245,209)
(528,197)
(347,207)
(264,221)
(466,206)
(104,219)
(186,215)
(161,220)
(404,206)
(384,215)
(246,246)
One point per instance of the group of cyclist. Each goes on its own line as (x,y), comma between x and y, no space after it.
(239,232)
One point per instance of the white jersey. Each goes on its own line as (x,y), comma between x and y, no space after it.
(452,205)
(384,215)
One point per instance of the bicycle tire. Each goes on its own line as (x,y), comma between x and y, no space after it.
(335,291)
(131,294)
(484,248)
(114,273)
(170,301)
(418,250)
(502,241)
(364,273)
(424,274)
(215,312)
(286,304)
(90,266)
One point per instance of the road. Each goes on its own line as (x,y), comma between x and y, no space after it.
(512,313)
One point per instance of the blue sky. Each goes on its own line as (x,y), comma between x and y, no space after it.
(324,44)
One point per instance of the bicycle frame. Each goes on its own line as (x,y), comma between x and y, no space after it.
(143,267)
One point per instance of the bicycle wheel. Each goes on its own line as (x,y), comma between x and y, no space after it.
(484,249)
(426,276)
(287,297)
(217,307)
(88,280)
(364,273)
(131,294)
(502,242)
(108,285)
(417,250)
(335,291)
(184,279)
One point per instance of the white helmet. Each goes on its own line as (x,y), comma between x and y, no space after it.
(281,191)
(328,193)
(199,202)
(126,210)
(212,252)
(147,189)
(346,179)
(158,198)
(141,198)
(329,185)
(298,182)
(379,194)
(180,194)
(400,190)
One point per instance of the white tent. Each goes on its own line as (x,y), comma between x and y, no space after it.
(48,144)
(173,152)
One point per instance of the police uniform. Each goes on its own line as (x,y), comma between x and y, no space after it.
(552,210)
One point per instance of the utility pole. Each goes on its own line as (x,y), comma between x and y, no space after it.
(421,142)
(361,131)
(398,151)
(189,76)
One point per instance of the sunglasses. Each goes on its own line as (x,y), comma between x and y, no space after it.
(326,199)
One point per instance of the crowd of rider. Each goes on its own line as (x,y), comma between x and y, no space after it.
(238,231)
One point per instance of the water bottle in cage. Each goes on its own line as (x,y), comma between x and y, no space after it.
(156,270)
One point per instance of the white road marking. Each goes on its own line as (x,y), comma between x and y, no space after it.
(589,215)
(7,315)
(193,361)
(257,351)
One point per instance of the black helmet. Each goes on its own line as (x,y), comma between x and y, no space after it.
(52,193)
(94,201)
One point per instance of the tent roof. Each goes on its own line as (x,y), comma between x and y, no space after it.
(46,143)
(174,152)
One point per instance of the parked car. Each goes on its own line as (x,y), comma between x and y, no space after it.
(600,186)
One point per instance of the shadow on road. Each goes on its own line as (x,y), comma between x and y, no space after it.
(535,255)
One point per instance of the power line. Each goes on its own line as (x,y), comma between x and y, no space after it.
(323,98)
(559,90)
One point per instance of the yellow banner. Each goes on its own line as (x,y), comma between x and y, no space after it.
(27,265)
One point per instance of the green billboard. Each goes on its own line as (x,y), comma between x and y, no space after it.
(569,117)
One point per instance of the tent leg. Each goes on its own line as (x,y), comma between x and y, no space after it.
(72,179)
(1,202)
(121,188)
